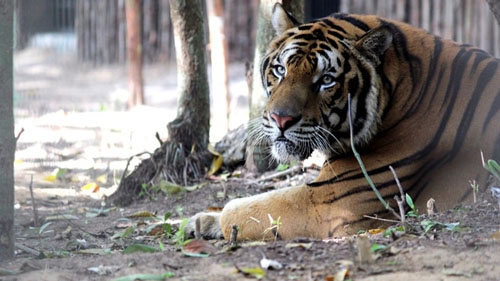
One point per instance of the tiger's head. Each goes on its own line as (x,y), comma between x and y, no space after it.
(308,73)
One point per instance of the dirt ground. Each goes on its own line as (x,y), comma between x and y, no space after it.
(78,237)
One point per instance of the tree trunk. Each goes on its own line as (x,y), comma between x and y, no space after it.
(184,158)
(7,140)
(218,51)
(191,127)
(258,158)
(495,8)
(134,53)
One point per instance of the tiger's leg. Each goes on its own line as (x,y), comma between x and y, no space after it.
(284,214)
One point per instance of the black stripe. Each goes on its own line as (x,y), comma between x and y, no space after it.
(357,23)
(304,36)
(331,25)
(336,34)
(434,60)
(495,107)
(486,75)
(305,27)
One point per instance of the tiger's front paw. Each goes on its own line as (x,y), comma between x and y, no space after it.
(209,226)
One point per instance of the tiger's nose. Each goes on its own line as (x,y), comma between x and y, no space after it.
(284,122)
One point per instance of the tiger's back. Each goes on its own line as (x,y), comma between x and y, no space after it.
(426,106)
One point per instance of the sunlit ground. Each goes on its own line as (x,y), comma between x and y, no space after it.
(74,116)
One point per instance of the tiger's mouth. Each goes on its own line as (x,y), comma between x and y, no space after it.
(285,150)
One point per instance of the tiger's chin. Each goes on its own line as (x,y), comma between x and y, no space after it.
(285,151)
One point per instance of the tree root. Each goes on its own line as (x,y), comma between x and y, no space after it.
(170,162)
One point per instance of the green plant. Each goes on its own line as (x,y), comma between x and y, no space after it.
(431,224)
(493,167)
(180,235)
(475,189)
(409,201)
(148,191)
(362,165)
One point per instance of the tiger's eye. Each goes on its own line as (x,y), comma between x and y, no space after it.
(280,69)
(327,79)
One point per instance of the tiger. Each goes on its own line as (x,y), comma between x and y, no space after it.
(426,106)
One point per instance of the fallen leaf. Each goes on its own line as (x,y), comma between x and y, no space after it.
(216,164)
(95,251)
(377,247)
(299,245)
(56,174)
(496,235)
(134,277)
(90,187)
(195,187)
(102,179)
(376,231)
(142,248)
(51,178)
(199,247)
(341,275)
(255,272)
(103,270)
(170,188)
(141,214)
(61,217)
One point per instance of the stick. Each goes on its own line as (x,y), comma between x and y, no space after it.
(197,232)
(380,219)
(35,211)
(234,235)
(401,201)
(286,172)
(157,135)
(130,159)
(28,249)
(362,166)
(19,134)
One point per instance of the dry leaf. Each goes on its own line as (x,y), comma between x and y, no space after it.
(216,162)
(298,245)
(496,235)
(376,231)
(142,214)
(102,179)
(199,247)
(51,178)
(90,187)
(255,272)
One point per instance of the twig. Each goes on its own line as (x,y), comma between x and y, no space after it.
(224,190)
(431,207)
(362,165)
(380,219)
(400,200)
(28,249)
(234,235)
(130,159)
(197,225)
(157,135)
(19,134)
(286,172)
(364,254)
(35,211)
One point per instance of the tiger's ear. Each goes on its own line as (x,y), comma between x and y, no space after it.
(374,43)
(282,20)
